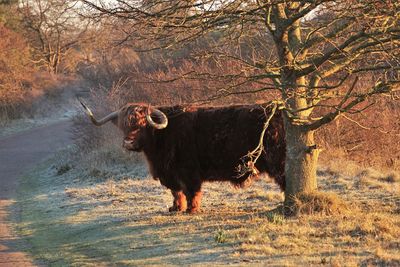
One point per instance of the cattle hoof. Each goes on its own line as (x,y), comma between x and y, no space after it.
(175,209)
(193,211)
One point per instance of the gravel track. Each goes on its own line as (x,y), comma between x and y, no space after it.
(19,153)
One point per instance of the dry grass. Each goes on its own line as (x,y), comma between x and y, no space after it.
(100,215)
(318,203)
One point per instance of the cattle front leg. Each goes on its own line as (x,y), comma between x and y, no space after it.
(180,203)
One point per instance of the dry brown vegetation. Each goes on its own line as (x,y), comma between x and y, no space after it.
(14,73)
(370,138)
(373,144)
(27,89)
(24,91)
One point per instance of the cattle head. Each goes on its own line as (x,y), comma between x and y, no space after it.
(135,121)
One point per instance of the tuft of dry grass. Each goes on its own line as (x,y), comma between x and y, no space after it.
(318,203)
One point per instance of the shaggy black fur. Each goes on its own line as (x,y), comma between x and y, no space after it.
(204,144)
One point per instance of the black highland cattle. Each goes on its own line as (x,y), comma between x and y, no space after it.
(186,146)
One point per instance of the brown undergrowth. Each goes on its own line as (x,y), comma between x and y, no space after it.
(369,139)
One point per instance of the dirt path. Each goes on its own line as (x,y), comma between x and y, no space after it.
(19,153)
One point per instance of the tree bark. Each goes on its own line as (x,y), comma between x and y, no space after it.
(301,161)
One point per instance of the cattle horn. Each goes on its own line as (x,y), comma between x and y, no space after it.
(160,115)
(100,122)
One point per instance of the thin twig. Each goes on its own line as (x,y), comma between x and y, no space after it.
(249,161)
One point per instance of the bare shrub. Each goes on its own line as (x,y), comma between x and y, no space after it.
(371,138)
(170,84)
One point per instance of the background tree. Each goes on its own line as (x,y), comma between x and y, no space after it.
(54,28)
(320,49)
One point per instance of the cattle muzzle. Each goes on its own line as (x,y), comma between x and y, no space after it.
(131,144)
(131,141)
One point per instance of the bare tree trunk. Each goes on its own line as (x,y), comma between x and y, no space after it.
(301,153)
(301,161)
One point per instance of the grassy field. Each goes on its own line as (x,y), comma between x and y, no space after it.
(115,215)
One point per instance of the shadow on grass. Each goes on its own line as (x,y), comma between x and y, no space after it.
(99,232)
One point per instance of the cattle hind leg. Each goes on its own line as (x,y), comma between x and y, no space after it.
(180,202)
(195,202)
(193,195)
